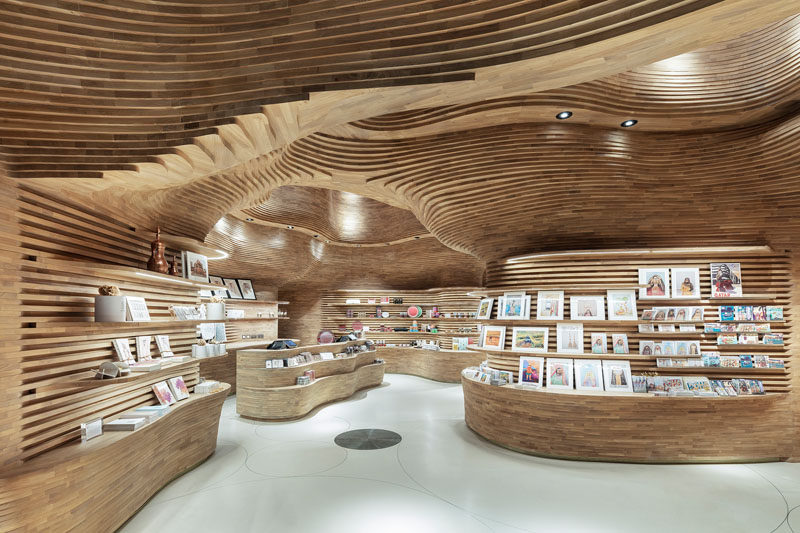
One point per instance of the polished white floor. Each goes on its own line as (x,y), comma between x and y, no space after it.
(291,478)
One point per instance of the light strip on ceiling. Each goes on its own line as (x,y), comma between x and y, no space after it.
(642,251)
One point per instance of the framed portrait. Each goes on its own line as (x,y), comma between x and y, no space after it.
(619,343)
(660,313)
(246,289)
(550,305)
(726,280)
(569,338)
(685,282)
(622,305)
(599,343)
(655,281)
(587,308)
(233,288)
(493,337)
(668,347)
(531,370)
(559,373)
(195,267)
(588,374)
(617,376)
(647,347)
(485,309)
(529,339)
(647,314)
(514,306)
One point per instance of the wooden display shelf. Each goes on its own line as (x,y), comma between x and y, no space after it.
(609,356)
(88,381)
(75,483)
(438,365)
(716,370)
(630,427)
(243,301)
(403,319)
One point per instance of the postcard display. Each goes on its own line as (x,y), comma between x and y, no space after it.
(696,328)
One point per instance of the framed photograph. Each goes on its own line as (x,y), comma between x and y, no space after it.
(222,291)
(660,313)
(529,339)
(599,343)
(682,314)
(617,375)
(550,305)
(668,347)
(485,309)
(494,337)
(647,314)
(697,314)
(246,289)
(726,280)
(569,338)
(619,343)
(233,288)
(195,267)
(647,347)
(531,370)
(655,281)
(514,306)
(622,305)
(587,308)
(559,373)
(685,282)
(588,374)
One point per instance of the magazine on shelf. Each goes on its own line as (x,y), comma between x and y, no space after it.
(746,361)
(729,361)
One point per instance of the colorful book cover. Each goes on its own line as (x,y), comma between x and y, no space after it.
(697,314)
(774,312)
(647,314)
(756,386)
(718,387)
(727,328)
(759,313)
(742,387)
(746,361)
(178,387)
(748,338)
(763,327)
(639,383)
(668,347)
(776,363)
(663,362)
(673,383)
(655,384)
(163,393)
(730,388)
(743,312)
(761,361)
(692,383)
(727,338)
(711,359)
(747,327)
(711,327)
(729,361)
(773,338)
(726,313)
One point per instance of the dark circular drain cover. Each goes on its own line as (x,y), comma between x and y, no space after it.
(367,439)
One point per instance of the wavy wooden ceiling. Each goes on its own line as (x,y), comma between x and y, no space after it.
(179,114)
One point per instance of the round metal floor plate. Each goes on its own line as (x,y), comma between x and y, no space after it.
(367,439)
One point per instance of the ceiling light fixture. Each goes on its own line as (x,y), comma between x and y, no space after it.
(316,236)
(249,219)
(289,227)
(564,115)
(629,123)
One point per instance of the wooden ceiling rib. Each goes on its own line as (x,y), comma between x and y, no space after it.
(91,87)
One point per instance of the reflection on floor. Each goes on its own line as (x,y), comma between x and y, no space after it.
(290,477)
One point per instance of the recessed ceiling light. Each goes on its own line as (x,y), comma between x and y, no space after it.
(629,123)
(289,227)
(249,219)
(564,115)
(328,242)
(315,236)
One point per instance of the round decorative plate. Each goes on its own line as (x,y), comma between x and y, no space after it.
(325,337)
(414,311)
(385,314)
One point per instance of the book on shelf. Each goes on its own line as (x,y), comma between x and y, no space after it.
(730,388)
(711,359)
(729,361)
(143,348)
(123,349)
(748,338)
(161,410)
(743,312)
(639,383)
(178,388)
(776,363)
(718,387)
(146,366)
(774,312)
(773,338)
(206,387)
(695,383)
(162,343)
(163,393)
(727,338)
(760,361)
(727,313)
(712,327)
(124,424)
(673,383)
(148,416)
(745,361)
(136,309)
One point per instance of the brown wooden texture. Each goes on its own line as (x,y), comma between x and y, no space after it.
(98,485)
(444,365)
(636,428)
(221,368)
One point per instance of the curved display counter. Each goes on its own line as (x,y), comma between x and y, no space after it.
(636,428)
(271,393)
(99,484)
(442,365)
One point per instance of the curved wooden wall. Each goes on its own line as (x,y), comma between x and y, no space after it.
(98,485)
(634,428)
(442,365)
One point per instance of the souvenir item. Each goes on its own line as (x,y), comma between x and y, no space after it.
(726,280)
(647,314)
(655,283)
(760,361)
(759,313)
(136,309)
(700,384)
(587,308)
(639,383)
(550,305)
(619,343)
(668,347)
(646,328)
(529,339)
(569,338)
(163,393)
(531,370)
(658,349)
(599,343)
(414,311)
(774,313)
(743,312)
(485,309)
(729,361)
(178,388)
(697,314)
(773,338)
(660,313)
(559,373)
(123,349)
(727,313)
(712,327)
(588,374)
(673,383)
(325,337)
(143,348)
(494,337)
(246,288)
(727,338)
(621,304)
(666,328)
(682,314)
(157,262)
(711,359)
(515,306)
(646,347)
(685,282)
(617,376)
(233,288)
(162,343)
(748,338)
(195,267)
